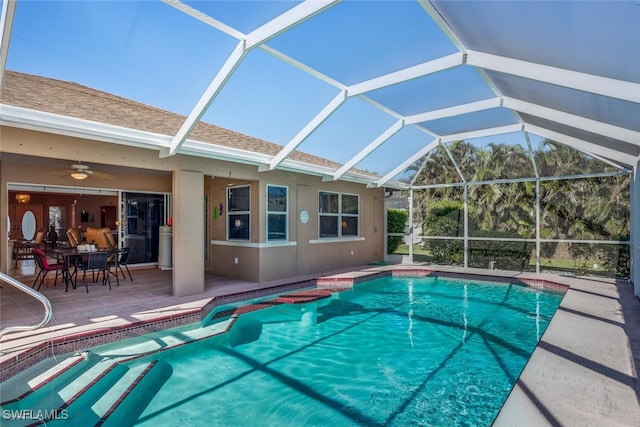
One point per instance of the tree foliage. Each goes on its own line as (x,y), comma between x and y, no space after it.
(396,223)
(580,209)
(445,218)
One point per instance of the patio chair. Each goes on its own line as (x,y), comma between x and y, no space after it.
(75,238)
(97,262)
(121,261)
(39,239)
(44,268)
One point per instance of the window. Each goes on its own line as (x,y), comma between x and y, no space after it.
(277,214)
(238,212)
(350,213)
(338,214)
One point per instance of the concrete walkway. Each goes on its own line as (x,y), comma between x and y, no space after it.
(584,370)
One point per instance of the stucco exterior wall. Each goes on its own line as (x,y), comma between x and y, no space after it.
(188,228)
(303,252)
(37,158)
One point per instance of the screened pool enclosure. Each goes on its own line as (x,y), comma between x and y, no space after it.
(571,217)
(508,129)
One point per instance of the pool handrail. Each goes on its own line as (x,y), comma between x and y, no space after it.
(37,295)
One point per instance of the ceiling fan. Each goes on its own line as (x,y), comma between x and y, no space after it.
(81,171)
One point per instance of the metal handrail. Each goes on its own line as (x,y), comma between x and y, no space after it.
(37,295)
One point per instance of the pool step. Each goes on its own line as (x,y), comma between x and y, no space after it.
(133,401)
(119,402)
(52,402)
(161,341)
(58,390)
(29,381)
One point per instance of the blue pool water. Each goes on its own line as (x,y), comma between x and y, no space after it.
(392,351)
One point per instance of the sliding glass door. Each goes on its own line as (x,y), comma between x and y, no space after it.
(142,215)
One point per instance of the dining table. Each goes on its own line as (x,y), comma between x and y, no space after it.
(72,257)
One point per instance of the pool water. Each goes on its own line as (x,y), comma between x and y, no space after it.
(392,351)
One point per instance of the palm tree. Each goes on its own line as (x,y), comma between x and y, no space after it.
(588,209)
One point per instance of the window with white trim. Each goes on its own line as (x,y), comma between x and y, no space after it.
(277,213)
(350,211)
(339,215)
(238,212)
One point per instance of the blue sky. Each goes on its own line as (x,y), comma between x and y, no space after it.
(151,53)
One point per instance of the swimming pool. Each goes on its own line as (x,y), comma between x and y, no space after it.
(391,351)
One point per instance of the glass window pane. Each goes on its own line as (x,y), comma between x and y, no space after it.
(239,226)
(239,199)
(328,202)
(277,199)
(328,226)
(56,218)
(349,225)
(349,204)
(277,227)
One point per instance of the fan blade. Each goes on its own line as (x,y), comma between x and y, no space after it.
(102,175)
(66,172)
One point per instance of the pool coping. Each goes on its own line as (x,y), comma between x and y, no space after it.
(81,340)
(538,398)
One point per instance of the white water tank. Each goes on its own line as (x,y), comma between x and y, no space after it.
(165,260)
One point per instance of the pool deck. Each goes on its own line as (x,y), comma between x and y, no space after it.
(583,372)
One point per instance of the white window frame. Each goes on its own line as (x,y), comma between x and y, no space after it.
(231,213)
(339,216)
(357,216)
(285,213)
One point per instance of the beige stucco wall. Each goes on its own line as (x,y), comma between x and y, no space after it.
(188,229)
(304,253)
(139,169)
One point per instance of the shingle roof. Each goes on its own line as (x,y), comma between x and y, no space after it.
(81,102)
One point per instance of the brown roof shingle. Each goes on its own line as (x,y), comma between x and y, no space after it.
(78,101)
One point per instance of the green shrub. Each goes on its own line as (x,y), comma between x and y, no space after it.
(506,255)
(396,223)
(444,218)
(616,258)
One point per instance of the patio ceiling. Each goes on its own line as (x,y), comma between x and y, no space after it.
(372,86)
